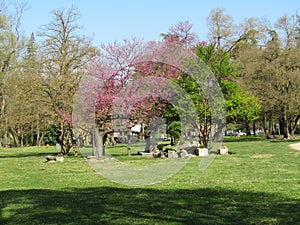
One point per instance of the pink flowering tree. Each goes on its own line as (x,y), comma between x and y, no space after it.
(181,33)
(127,82)
(132,82)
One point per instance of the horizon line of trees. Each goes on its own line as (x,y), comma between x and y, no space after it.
(255,62)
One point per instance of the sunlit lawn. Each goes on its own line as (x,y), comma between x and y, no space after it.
(259,183)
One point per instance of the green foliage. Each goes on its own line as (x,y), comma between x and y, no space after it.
(51,135)
(175,130)
(241,107)
(271,74)
(233,126)
(218,60)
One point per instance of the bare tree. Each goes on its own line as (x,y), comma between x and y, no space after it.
(65,55)
(220,26)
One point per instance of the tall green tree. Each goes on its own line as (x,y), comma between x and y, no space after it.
(271,73)
(11,48)
(240,106)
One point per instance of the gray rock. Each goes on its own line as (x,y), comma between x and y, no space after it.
(183,153)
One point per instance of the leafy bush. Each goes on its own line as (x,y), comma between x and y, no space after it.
(51,135)
(175,129)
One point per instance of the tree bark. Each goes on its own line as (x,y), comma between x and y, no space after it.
(293,125)
(97,140)
(38,141)
(66,139)
(248,132)
(15,137)
(129,143)
(150,141)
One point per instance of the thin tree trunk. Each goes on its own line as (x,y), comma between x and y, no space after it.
(253,129)
(287,134)
(294,126)
(38,141)
(15,137)
(265,128)
(248,132)
(22,138)
(129,137)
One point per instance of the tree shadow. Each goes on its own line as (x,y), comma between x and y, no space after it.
(28,154)
(244,139)
(108,205)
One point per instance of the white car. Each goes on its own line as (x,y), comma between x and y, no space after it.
(242,133)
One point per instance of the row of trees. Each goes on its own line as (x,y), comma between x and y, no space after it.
(39,80)
(256,64)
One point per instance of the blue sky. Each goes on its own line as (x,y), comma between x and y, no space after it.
(110,20)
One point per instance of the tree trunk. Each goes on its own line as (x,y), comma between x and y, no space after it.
(286,124)
(22,138)
(142,133)
(270,127)
(293,126)
(110,140)
(97,140)
(265,128)
(66,139)
(15,137)
(38,141)
(248,132)
(150,141)
(253,129)
(129,144)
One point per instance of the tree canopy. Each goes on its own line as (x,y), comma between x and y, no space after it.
(255,64)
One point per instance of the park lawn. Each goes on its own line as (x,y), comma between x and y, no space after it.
(259,183)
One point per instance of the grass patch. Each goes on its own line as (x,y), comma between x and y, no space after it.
(258,183)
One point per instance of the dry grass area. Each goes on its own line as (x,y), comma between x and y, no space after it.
(295,146)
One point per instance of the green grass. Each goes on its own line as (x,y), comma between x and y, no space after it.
(259,183)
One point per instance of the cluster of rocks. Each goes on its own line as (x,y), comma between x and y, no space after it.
(185,150)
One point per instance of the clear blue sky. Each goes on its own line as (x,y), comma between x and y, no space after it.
(110,20)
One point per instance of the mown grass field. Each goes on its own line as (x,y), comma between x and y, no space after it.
(259,183)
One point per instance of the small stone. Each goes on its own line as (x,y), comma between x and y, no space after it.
(203,152)
(183,153)
(59,159)
(223,150)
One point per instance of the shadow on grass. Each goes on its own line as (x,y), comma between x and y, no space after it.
(108,205)
(291,141)
(27,154)
(244,138)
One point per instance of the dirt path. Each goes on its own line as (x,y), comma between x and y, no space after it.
(295,146)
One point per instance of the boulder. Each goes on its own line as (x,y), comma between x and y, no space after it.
(155,151)
(202,152)
(190,147)
(172,154)
(51,158)
(183,153)
(146,154)
(223,150)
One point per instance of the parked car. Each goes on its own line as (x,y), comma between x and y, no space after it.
(230,133)
(242,133)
